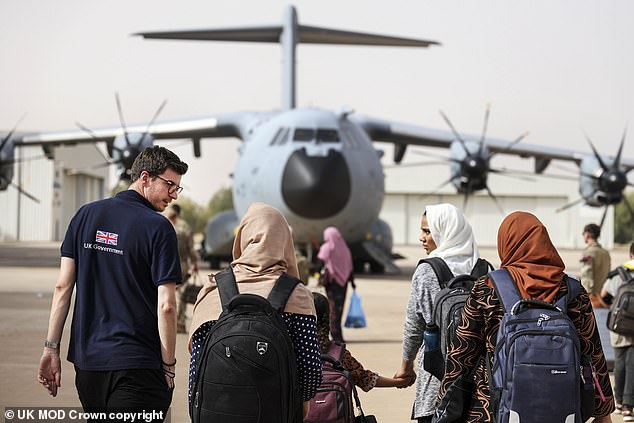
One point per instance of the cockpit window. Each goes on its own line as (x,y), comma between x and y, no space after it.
(304,134)
(327,135)
(320,135)
(281,136)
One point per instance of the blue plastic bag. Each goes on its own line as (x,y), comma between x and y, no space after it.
(356,316)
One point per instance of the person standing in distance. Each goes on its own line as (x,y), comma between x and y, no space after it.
(337,264)
(595,265)
(623,345)
(188,258)
(121,257)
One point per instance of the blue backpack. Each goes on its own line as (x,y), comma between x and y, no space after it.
(538,374)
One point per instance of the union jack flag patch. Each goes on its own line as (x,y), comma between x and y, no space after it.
(108,238)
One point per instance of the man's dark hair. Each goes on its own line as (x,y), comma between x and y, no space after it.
(176,208)
(155,160)
(593,229)
(632,249)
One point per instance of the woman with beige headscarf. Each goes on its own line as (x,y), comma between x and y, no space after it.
(263,250)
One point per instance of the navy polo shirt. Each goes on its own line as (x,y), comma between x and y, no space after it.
(123,250)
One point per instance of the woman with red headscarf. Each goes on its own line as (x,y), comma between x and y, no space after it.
(335,255)
(527,253)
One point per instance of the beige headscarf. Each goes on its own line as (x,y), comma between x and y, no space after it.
(262,250)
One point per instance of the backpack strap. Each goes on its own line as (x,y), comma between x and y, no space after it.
(336,350)
(481,268)
(227,286)
(442,271)
(505,288)
(282,289)
(574,289)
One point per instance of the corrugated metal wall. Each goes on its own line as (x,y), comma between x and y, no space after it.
(61,186)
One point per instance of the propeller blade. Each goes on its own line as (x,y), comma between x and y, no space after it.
(605,213)
(495,199)
(588,175)
(120,111)
(456,134)
(511,145)
(516,175)
(11,132)
(87,130)
(596,154)
(484,129)
(617,160)
(156,114)
(23,192)
(567,206)
(439,187)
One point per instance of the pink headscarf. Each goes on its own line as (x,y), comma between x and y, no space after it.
(335,254)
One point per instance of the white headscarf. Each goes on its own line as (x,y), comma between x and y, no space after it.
(453,236)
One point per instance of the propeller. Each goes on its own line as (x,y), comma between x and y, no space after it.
(7,161)
(602,184)
(470,164)
(124,150)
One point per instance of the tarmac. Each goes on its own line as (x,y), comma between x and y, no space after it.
(28,272)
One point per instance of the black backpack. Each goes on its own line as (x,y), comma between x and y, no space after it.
(447,311)
(247,370)
(621,315)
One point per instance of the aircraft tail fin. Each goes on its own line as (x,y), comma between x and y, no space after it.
(289,34)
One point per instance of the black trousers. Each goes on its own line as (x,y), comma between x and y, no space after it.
(140,391)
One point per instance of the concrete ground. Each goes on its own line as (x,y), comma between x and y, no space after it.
(27,276)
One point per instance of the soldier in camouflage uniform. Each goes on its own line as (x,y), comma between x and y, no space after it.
(595,265)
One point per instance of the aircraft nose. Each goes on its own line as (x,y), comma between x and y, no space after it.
(316,187)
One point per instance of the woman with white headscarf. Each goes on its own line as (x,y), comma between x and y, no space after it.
(445,233)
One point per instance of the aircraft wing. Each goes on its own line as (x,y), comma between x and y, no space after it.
(402,135)
(226,125)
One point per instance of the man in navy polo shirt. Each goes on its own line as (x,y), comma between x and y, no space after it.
(121,255)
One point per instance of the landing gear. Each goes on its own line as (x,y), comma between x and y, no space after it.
(368,266)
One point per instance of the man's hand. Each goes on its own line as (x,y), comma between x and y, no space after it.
(407,374)
(49,373)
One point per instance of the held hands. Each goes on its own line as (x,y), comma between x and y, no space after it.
(404,382)
(49,374)
(406,377)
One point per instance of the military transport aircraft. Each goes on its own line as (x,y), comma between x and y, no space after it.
(319,167)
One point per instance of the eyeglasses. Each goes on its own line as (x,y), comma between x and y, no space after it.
(171,185)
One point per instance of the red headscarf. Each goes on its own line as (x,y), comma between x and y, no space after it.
(526,251)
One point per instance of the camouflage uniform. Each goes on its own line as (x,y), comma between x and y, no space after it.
(188,259)
(595,266)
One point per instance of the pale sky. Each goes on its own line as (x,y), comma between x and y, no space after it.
(555,68)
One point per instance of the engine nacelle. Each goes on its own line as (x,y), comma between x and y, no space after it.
(600,187)
(126,148)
